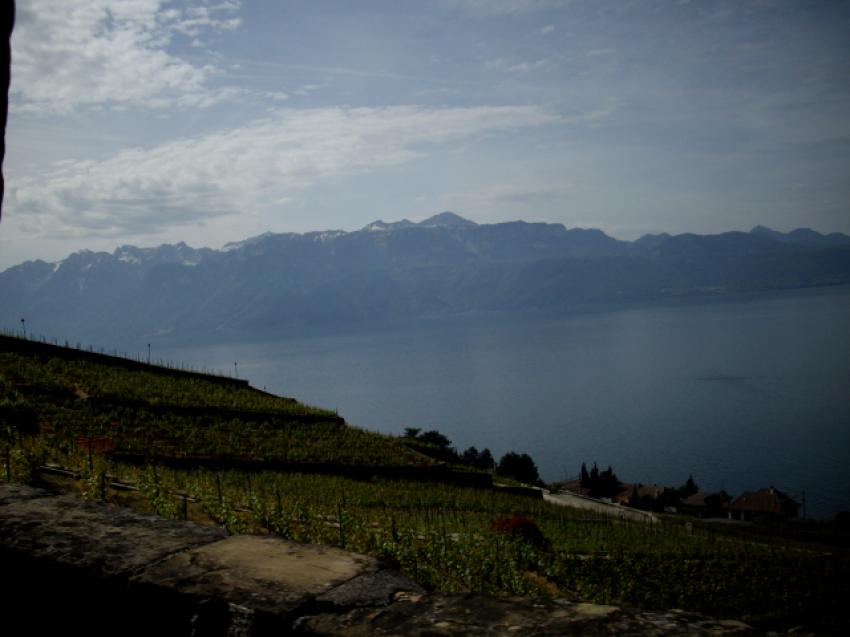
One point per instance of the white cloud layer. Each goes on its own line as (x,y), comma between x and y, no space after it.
(251,169)
(71,53)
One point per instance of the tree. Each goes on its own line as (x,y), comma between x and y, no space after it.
(485,460)
(434,437)
(471,457)
(600,484)
(594,474)
(519,467)
(431,443)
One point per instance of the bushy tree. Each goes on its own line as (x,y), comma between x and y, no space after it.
(519,467)
(486,460)
(478,459)
(431,443)
(471,457)
(434,437)
(411,432)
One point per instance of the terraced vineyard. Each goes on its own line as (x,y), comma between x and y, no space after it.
(120,411)
(91,419)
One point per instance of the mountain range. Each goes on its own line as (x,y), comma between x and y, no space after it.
(386,272)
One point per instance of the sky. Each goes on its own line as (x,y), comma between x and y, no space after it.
(147,121)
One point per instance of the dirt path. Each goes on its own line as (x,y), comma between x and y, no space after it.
(605,508)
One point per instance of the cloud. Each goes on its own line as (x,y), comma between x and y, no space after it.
(603,112)
(505,7)
(251,169)
(525,67)
(71,53)
(307,89)
(500,64)
(600,52)
(549,28)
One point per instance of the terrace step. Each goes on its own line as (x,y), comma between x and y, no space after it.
(252,415)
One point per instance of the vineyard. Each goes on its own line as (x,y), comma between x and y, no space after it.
(79,404)
(83,416)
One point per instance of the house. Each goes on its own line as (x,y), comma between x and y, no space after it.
(705,504)
(628,495)
(764,504)
(642,496)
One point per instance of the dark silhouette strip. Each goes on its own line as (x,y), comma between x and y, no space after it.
(7,21)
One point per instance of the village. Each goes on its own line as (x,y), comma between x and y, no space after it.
(768,504)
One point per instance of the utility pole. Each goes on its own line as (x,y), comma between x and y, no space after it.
(24,327)
(235,370)
(149,353)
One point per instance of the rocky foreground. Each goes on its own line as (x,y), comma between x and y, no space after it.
(71,565)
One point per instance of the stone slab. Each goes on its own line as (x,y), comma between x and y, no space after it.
(100,539)
(477,615)
(11,493)
(371,589)
(261,574)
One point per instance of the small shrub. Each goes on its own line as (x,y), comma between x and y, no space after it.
(522,528)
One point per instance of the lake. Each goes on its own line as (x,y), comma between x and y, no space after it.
(740,393)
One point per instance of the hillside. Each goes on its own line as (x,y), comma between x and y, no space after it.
(74,405)
(73,423)
(386,272)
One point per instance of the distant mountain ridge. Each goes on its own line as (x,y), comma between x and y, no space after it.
(403,270)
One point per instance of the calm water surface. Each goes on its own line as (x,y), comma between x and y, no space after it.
(740,394)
